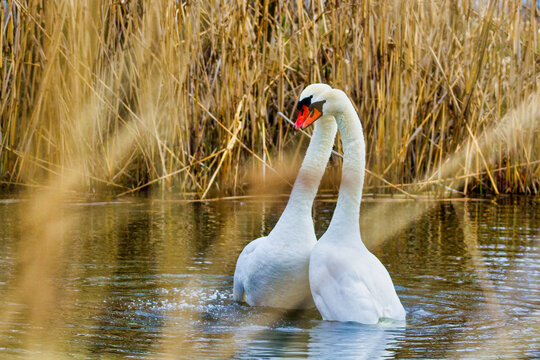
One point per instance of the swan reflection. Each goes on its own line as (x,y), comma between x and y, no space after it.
(332,340)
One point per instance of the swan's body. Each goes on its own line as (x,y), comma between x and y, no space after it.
(273,270)
(347,281)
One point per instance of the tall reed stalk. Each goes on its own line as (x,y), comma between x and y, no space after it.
(185,95)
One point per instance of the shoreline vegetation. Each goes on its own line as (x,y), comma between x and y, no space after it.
(191,100)
(120,97)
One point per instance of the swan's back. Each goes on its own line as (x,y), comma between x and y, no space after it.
(349,283)
(273,273)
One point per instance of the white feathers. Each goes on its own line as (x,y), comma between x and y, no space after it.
(348,282)
(273,270)
(288,268)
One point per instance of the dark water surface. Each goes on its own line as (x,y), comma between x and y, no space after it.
(152,279)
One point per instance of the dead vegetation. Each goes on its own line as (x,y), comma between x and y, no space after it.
(128,95)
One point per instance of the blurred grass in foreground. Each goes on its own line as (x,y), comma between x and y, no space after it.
(117,96)
(125,95)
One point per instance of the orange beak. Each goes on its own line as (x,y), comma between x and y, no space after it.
(302,115)
(313,115)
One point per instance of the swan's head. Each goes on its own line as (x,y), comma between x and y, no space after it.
(316,101)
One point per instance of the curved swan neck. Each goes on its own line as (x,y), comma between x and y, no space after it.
(347,212)
(310,174)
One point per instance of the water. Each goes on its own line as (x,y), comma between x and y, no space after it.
(147,279)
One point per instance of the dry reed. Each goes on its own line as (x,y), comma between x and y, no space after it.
(191,92)
(120,96)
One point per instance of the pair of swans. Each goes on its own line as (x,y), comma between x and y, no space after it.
(289,268)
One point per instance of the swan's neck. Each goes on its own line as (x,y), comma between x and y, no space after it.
(298,210)
(347,213)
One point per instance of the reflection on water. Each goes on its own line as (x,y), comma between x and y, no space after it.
(149,278)
(354,341)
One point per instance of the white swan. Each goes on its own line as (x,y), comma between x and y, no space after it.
(273,270)
(347,281)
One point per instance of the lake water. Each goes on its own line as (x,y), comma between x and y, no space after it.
(153,279)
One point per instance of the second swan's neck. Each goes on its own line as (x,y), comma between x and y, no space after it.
(347,213)
(298,209)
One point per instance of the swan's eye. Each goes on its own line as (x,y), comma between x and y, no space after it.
(304,102)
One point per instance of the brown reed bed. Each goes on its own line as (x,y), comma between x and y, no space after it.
(131,95)
(123,96)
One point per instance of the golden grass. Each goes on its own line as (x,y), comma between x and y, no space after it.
(133,94)
(121,96)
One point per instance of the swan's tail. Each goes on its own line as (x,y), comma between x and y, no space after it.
(238,291)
